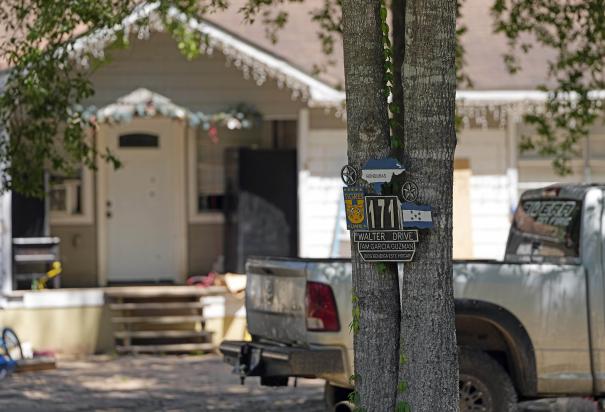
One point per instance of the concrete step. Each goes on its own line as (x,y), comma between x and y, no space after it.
(160,334)
(179,347)
(133,292)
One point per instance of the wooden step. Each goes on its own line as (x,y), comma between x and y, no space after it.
(162,291)
(177,347)
(157,319)
(159,334)
(36,364)
(156,305)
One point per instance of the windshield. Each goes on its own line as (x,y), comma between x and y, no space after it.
(545,228)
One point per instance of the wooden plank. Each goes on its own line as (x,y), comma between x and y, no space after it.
(36,364)
(160,334)
(179,347)
(157,319)
(157,305)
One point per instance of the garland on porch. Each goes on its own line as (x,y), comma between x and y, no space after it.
(143,103)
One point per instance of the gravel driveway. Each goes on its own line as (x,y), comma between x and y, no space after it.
(154,383)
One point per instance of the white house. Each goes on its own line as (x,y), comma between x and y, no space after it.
(166,198)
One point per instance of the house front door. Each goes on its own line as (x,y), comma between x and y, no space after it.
(145,201)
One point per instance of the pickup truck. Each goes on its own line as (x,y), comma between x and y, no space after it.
(531,326)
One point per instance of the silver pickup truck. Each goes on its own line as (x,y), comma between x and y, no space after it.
(532,326)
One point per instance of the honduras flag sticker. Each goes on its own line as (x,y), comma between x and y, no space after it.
(418,216)
(379,171)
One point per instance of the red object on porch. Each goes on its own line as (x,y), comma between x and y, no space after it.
(202,281)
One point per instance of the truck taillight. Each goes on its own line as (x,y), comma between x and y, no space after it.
(322,315)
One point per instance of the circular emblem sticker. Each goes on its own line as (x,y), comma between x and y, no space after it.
(348,175)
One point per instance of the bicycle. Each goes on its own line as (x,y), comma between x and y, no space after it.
(10,345)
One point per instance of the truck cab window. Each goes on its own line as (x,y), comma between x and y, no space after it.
(545,230)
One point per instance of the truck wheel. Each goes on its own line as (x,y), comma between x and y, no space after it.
(334,395)
(484,384)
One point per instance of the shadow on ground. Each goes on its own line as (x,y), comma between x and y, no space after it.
(158,383)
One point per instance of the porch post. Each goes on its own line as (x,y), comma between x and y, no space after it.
(301,151)
(512,173)
(6,275)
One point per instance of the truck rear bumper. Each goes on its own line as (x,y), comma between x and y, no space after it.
(267,360)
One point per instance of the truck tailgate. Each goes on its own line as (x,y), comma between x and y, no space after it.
(275,299)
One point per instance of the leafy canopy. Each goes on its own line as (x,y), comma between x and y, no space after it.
(575,32)
(38,108)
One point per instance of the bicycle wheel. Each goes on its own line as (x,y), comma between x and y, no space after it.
(11,345)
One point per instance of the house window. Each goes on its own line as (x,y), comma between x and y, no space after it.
(69,198)
(66,194)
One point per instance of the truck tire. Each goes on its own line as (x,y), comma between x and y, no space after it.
(483,383)
(334,395)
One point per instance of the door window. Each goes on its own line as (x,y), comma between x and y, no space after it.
(139,140)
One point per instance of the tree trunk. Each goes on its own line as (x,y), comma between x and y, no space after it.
(427,317)
(398,29)
(376,290)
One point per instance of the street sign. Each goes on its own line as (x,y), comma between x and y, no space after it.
(401,256)
(383,212)
(381,223)
(386,245)
(385,236)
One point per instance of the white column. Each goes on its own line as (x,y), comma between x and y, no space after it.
(6,260)
(301,150)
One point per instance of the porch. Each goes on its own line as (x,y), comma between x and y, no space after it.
(128,319)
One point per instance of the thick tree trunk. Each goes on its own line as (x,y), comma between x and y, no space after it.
(377,341)
(427,318)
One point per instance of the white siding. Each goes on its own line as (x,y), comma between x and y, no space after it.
(321,193)
(490,215)
(490,197)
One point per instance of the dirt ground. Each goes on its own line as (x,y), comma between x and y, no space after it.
(154,383)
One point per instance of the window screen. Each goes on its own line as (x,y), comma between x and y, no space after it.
(545,229)
(139,140)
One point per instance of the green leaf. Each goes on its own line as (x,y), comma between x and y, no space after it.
(403,406)
(402,359)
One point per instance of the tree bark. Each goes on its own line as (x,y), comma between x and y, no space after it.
(376,343)
(398,28)
(427,317)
